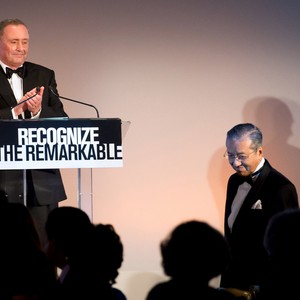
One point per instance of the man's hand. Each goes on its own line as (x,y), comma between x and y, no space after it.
(33,105)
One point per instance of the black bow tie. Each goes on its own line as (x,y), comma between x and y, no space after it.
(247,179)
(19,71)
(250,178)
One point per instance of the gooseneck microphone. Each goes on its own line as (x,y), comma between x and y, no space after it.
(72,100)
(37,90)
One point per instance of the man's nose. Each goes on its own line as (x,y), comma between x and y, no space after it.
(236,162)
(20,46)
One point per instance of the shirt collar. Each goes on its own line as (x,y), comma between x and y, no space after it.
(260,165)
(4,66)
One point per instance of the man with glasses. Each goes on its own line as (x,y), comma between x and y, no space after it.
(255,192)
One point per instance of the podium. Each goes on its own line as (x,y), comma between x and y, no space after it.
(57,143)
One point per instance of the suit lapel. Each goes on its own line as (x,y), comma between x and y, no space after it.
(253,194)
(7,95)
(29,80)
(30,77)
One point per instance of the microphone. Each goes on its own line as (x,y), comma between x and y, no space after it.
(37,90)
(72,100)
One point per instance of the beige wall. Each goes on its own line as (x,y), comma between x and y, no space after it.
(183,73)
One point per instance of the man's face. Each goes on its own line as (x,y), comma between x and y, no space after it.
(242,157)
(14,45)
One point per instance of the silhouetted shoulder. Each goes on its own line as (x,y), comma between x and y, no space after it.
(171,290)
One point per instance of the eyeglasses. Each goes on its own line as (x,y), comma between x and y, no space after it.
(238,157)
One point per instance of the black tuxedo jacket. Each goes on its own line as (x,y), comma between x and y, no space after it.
(46,184)
(249,259)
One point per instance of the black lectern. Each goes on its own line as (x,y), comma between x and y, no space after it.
(61,143)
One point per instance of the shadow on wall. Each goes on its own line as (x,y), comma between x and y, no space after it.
(275,119)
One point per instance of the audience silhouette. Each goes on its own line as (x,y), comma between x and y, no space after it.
(192,255)
(77,247)
(109,251)
(282,242)
(25,271)
(88,257)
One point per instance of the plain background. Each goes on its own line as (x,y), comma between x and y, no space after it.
(183,72)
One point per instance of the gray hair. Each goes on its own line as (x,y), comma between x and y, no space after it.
(7,22)
(246,130)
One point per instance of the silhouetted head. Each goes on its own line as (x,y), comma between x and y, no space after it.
(17,225)
(69,231)
(195,250)
(282,236)
(109,251)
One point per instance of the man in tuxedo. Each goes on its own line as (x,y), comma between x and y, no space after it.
(18,82)
(254,194)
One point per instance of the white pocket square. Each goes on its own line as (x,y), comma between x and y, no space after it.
(257,205)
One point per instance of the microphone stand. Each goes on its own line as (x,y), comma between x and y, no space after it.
(88,173)
(72,100)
